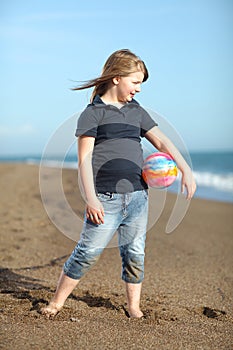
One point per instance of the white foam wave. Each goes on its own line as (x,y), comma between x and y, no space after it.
(203,178)
(219,181)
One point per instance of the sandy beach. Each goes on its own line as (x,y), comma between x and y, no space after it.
(187,295)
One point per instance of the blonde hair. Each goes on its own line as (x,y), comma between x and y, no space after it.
(120,63)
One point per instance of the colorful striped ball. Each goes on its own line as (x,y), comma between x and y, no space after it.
(159,170)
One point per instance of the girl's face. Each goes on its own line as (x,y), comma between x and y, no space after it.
(127,87)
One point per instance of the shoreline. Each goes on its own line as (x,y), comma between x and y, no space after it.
(186,294)
(206,193)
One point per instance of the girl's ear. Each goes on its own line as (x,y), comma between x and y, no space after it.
(116,80)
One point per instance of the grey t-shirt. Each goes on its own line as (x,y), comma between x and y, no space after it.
(117,156)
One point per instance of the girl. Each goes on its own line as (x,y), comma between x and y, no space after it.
(110,160)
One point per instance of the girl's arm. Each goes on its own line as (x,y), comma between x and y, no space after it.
(163,144)
(94,209)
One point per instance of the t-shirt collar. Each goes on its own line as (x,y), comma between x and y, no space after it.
(97,100)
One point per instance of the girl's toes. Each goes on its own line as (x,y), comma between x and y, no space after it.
(136,314)
(51,310)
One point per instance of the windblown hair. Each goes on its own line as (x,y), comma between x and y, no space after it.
(121,63)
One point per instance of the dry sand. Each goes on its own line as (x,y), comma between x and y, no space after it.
(187,291)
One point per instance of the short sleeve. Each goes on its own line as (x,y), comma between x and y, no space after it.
(147,122)
(87,124)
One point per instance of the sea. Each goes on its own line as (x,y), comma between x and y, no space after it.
(213,171)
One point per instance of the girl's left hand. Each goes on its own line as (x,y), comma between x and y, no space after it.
(188,183)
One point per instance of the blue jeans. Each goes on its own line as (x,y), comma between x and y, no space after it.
(125,213)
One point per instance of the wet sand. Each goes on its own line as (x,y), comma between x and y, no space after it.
(186,296)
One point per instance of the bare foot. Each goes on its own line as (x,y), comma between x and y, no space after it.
(51,310)
(135,314)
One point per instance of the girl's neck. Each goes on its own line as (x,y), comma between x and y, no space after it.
(110,96)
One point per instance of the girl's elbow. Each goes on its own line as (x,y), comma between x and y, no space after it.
(161,146)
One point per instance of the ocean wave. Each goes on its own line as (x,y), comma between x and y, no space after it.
(211,184)
(219,181)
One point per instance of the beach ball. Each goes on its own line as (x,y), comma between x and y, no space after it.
(159,170)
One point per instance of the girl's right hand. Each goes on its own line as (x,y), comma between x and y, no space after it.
(95,211)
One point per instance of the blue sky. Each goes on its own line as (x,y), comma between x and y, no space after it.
(46,45)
